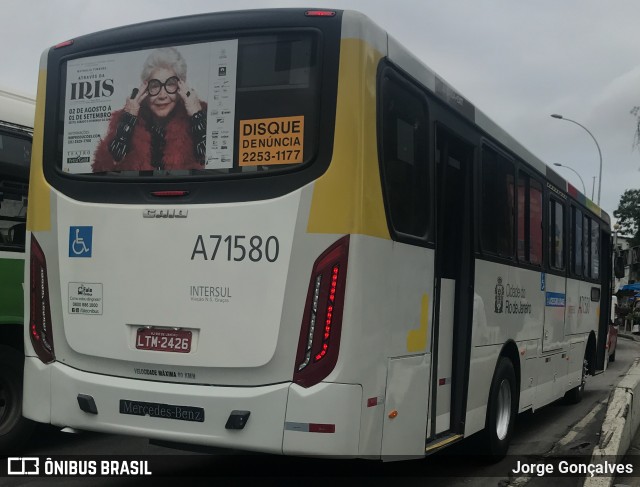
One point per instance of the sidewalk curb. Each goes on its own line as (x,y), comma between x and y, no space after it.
(620,424)
(630,336)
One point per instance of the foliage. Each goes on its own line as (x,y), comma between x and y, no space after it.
(623,310)
(628,215)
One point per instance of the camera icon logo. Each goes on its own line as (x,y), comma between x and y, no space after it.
(23,466)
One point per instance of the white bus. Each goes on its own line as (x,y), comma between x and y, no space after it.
(16,130)
(279,231)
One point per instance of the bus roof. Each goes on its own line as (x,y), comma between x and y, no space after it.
(358,25)
(17,110)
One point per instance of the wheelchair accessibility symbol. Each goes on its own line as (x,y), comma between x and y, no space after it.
(80,241)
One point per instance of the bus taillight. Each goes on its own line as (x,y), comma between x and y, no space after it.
(40,330)
(63,44)
(319,341)
(320,13)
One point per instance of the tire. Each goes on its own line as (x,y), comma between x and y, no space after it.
(502,410)
(15,430)
(574,396)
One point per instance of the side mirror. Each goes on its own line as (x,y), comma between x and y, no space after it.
(618,267)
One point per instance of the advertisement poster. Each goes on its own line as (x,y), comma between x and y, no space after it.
(123,111)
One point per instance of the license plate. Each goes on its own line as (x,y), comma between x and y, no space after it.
(162,340)
(157,410)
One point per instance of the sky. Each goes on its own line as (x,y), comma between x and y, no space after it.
(517,61)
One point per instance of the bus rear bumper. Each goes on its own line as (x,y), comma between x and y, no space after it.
(276,424)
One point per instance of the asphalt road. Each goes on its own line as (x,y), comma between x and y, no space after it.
(557,429)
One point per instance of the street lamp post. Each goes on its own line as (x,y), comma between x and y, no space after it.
(584,189)
(555,115)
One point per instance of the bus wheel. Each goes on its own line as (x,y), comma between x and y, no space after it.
(574,396)
(14,428)
(501,410)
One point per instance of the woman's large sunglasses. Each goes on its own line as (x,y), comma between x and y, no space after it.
(170,86)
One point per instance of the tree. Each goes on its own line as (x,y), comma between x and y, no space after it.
(628,215)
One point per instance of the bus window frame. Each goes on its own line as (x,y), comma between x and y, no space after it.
(387,68)
(488,254)
(15,171)
(561,271)
(574,207)
(206,188)
(523,168)
(18,178)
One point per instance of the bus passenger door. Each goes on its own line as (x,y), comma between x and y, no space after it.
(553,366)
(555,285)
(453,285)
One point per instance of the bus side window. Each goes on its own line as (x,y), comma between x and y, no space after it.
(498,204)
(17,234)
(576,243)
(591,248)
(404,155)
(529,220)
(595,250)
(556,234)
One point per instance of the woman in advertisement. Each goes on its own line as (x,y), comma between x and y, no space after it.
(163,123)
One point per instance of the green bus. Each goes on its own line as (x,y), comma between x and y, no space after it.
(16,132)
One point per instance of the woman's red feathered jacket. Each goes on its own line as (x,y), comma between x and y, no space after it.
(178,152)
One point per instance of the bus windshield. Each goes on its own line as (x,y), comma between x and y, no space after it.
(246,104)
(15,156)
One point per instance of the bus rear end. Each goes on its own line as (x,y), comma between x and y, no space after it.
(175,291)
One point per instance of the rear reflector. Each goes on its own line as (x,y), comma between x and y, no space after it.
(40,331)
(321,325)
(310,427)
(322,428)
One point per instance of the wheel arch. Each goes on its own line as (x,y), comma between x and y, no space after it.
(510,351)
(496,437)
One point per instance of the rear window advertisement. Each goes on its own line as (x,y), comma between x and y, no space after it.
(171,108)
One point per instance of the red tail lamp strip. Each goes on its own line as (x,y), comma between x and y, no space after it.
(320,330)
(40,331)
(329,317)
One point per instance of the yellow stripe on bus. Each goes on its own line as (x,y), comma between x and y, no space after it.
(348,197)
(39,208)
(417,338)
